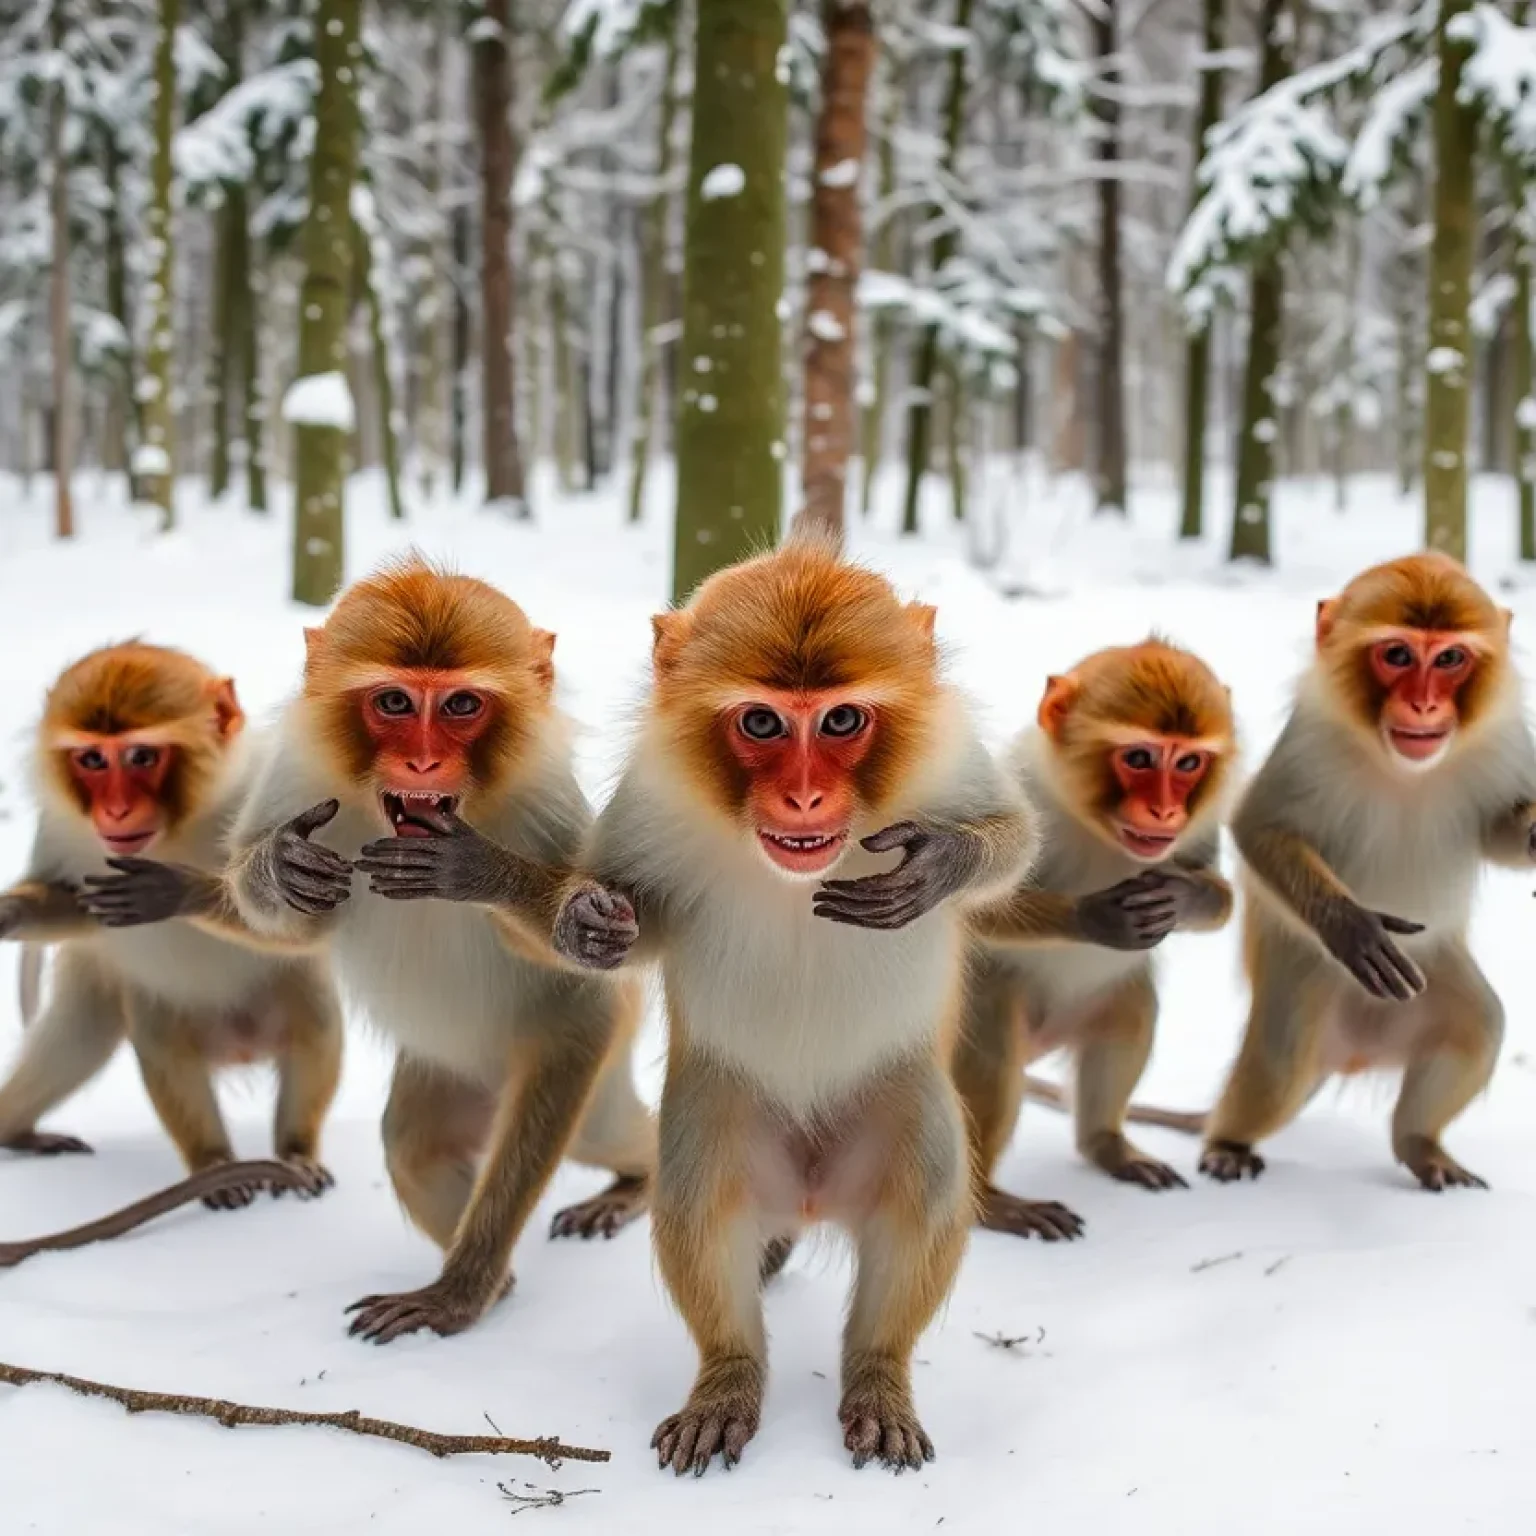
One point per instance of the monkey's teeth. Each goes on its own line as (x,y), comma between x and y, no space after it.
(801,843)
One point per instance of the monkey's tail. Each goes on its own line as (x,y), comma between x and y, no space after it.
(1191,1122)
(29,984)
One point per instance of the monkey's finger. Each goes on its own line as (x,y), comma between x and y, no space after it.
(1397,971)
(445,823)
(319,883)
(313,906)
(313,856)
(898,835)
(132,866)
(400,850)
(315,817)
(1368,976)
(1398,924)
(1406,968)
(1150,896)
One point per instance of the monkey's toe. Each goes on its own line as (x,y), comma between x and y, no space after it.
(604,1214)
(1048,1220)
(689,1440)
(383,1318)
(1436,1170)
(236,1197)
(316,1179)
(1228,1161)
(891,1435)
(1149,1174)
(46,1144)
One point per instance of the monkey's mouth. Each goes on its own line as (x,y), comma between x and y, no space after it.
(1418,746)
(809,853)
(1146,845)
(407,811)
(121,843)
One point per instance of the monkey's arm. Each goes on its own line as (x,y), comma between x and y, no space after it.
(43,912)
(1509,840)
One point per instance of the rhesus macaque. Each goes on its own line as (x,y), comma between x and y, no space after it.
(798,726)
(425,752)
(141,750)
(1127,765)
(1405,762)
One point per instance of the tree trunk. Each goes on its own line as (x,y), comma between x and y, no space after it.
(1197,361)
(59,304)
(460,346)
(319,526)
(653,280)
(920,387)
(1408,354)
(504,482)
(1450,284)
(873,446)
(1110,477)
(1524,412)
(837,235)
(566,428)
(129,409)
(955,423)
(383,377)
(431,443)
(223,342)
(253,406)
(156,460)
(1259,431)
(730,416)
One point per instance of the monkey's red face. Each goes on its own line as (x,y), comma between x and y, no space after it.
(1421,673)
(799,754)
(424,727)
(122,784)
(1157,778)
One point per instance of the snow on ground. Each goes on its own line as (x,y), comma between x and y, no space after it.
(1363,1354)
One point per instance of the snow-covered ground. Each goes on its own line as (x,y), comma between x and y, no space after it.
(1362,1353)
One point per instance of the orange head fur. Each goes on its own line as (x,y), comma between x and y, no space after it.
(1143,742)
(132,737)
(1414,656)
(797,693)
(427,685)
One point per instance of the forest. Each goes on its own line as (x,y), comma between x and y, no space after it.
(796,247)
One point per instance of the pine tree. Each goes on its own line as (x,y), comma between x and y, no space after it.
(730,415)
(319,404)
(59,298)
(1110,487)
(155,460)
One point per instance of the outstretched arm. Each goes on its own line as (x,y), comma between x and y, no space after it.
(43,912)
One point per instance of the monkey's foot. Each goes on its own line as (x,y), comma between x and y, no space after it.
(1435,1168)
(776,1252)
(1226,1161)
(45,1143)
(721,1414)
(1120,1160)
(1045,1219)
(232,1197)
(605,1213)
(317,1179)
(879,1422)
(443,1308)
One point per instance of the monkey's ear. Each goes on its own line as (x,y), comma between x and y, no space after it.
(669,634)
(227,713)
(1060,695)
(314,643)
(542,645)
(923,616)
(1327,613)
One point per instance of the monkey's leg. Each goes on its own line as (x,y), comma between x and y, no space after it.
(988,1070)
(308,1074)
(710,1251)
(1452,1066)
(180,1086)
(617,1131)
(909,1251)
(1115,1043)
(551,1079)
(68,1045)
(1279,1063)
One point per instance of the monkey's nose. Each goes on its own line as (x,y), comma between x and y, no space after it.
(431,767)
(803,799)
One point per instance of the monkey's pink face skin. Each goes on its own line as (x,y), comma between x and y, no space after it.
(1156,778)
(122,784)
(800,752)
(1423,672)
(423,726)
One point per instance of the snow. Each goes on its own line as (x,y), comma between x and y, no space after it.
(1357,1360)
(844,174)
(722,181)
(320,400)
(825,326)
(1499,75)
(151,459)
(1525,414)
(1396,115)
(1444,360)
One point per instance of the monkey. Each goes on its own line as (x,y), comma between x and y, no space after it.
(798,734)
(1128,765)
(1405,763)
(143,749)
(425,753)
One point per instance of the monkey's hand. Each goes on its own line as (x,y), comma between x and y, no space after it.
(595,928)
(456,864)
(1138,913)
(310,877)
(144,891)
(936,863)
(442,1306)
(1360,941)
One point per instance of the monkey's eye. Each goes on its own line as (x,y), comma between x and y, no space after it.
(93,759)
(463,706)
(1451,657)
(759,724)
(142,757)
(393,701)
(1397,655)
(1190,763)
(1139,759)
(843,720)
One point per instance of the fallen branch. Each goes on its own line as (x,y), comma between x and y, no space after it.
(210,1181)
(1223,1258)
(231,1415)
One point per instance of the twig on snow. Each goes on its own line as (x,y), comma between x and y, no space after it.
(540,1498)
(1224,1258)
(548,1449)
